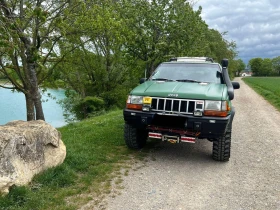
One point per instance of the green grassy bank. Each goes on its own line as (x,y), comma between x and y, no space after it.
(268,87)
(95,153)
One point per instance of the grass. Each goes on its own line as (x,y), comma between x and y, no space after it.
(95,152)
(268,87)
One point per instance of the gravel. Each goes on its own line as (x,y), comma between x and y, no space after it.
(183,176)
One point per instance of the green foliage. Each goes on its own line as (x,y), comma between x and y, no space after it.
(115,98)
(255,65)
(235,67)
(240,66)
(164,29)
(90,106)
(125,38)
(268,87)
(79,108)
(102,48)
(219,47)
(265,67)
(30,41)
(276,65)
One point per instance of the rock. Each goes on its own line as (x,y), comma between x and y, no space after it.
(26,149)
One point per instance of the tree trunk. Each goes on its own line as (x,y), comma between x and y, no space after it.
(30,115)
(38,105)
(36,95)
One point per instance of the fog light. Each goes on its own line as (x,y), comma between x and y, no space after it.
(197,113)
(145,108)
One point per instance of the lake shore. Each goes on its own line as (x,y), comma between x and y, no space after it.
(13,107)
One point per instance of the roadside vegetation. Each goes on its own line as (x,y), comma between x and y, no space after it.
(268,87)
(95,154)
(265,66)
(98,50)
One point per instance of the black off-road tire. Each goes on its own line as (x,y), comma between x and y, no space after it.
(135,138)
(221,147)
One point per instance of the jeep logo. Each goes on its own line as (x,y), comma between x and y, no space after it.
(173,95)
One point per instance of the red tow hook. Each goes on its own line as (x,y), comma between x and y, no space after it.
(155,135)
(187,139)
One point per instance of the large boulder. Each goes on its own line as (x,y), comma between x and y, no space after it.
(26,149)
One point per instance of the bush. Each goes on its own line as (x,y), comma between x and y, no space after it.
(115,98)
(77,108)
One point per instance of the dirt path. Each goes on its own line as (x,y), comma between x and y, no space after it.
(184,176)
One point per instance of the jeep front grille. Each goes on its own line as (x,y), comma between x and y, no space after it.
(172,105)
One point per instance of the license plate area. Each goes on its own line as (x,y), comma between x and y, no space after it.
(172,139)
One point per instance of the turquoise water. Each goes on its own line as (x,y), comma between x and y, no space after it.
(12,107)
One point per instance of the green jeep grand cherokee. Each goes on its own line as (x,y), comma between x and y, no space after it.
(185,99)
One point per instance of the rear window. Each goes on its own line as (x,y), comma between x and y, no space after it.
(188,71)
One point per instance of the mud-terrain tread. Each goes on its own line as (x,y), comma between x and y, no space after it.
(135,138)
(221,147)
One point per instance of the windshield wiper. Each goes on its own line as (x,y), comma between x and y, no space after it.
(187,80)
(162,79)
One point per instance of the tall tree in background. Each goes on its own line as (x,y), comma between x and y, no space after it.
(187,34)
(266,67)
(219,47)
(30,34)
(147,41)
(237,66)
(161,29)
(276,65)
(256,66)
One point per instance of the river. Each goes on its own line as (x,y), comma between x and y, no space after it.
(12,107)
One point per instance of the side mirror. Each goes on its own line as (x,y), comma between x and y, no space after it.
(142,80)
(225,63)
(235,85)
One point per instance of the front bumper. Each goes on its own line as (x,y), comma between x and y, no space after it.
(207,127)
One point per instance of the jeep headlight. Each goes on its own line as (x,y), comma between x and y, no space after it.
(135,99)
(134,102)
(139,102)
(213,105)
(216,108)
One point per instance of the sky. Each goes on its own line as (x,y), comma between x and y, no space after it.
(253,24)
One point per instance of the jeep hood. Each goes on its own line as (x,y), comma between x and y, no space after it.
(187,90)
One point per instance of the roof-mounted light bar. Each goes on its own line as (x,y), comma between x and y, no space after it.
(192,59)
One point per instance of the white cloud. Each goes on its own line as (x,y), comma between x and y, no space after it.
(254,25)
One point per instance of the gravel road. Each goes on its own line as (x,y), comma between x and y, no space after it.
(183,176)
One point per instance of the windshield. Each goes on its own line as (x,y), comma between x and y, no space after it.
(187,72)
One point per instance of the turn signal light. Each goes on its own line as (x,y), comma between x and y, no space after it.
(215,113)
(134,106)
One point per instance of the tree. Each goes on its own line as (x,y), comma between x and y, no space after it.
(31,32)
(97,69)
(266,67)
(256,66)
(238,66)
(276,65)
(161,29)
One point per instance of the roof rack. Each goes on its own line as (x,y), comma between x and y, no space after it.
(192,59)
